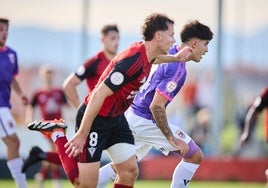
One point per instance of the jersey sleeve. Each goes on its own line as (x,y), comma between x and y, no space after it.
(124,71)
(87,70)
(262,101)
(171,80)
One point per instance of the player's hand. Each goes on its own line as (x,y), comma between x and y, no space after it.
(180,144)
(75,146)
(184,54)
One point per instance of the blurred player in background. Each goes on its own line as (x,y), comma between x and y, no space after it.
(89,71)
(260,104)
(8,81)
(147,115)
(50,100)
(92,69)
(101,123)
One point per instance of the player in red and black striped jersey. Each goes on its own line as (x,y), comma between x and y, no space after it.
(92,69)
(100,121)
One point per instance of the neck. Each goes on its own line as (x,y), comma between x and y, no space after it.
(109,55)
(151,51)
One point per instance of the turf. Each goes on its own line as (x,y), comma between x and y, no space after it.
(148,184)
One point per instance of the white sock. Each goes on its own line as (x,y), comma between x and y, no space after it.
(183,174)
(106,175)
(56,135)
(15,166)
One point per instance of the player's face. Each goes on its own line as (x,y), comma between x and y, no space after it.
(111,42)
(3,34)
(200,48)
(166,39)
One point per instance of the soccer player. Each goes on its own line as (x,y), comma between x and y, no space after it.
(8,81)
(90,71)
(100,122)
(147,115)
(50,100)
(260,103)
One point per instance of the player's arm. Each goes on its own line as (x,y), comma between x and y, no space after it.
(158,110)
(16,87)
(250,120)
(69,88)
(29,114)
(181,56)
(93,107)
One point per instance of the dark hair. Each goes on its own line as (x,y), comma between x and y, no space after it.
(4,20)
(110,27)
(153,23)
(195,29)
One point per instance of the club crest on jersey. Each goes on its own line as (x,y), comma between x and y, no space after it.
(117,78)
(11,57)
(171,86)
(180,134)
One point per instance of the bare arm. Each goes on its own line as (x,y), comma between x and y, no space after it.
(92,109)
(158,110)
(69,87)
(181,56)
(16,87)
(29,114)
(250,122)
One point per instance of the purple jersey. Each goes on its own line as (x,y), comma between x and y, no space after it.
(9,68)
(167,79)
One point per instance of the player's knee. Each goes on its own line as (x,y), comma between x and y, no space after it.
(130,173)
(13,143)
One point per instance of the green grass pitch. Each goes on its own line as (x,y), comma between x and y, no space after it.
(147,184)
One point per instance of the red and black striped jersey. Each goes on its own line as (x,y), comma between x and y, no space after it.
(92,69)
(125,74)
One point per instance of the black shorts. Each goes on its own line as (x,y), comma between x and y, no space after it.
(104,133)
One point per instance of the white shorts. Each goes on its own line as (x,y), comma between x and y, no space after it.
(148,135)
(7,123)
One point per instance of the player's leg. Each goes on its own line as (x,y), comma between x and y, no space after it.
(187,167)
(56,131)
(36,154)
(122,154)
(11,140)
(107,174)
(125,163)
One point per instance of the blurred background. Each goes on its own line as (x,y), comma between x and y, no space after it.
(218,90)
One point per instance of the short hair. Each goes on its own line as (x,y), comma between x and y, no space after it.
(153,23)
(195,29)
(4,20)
(107,28)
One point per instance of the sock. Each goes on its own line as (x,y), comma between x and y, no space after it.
(57,134)
(183,174)
(116,185)
(15,166)
(53,157)
(106,175)
(69,163)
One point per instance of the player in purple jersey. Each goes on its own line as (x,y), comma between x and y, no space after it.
(147,115)
(101,123)
(8,81)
